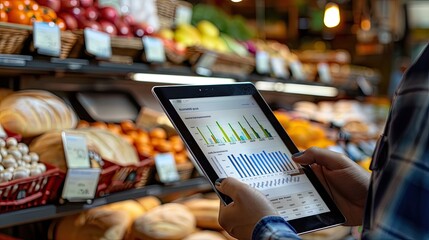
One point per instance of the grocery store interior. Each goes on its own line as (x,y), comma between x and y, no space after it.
(86,151)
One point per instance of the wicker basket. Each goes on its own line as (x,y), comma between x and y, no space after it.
(68,40)
(12,37)
(225,63)
(167,11)
(126,49)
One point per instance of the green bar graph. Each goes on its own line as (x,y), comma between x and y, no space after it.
(245,132)
(264,130)
(202,135)
(223,132)
(233,131)
(212,135)
(253,130)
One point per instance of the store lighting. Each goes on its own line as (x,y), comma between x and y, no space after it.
(365,24)
(331,18)
(177,79)
(235,1)
(295,88)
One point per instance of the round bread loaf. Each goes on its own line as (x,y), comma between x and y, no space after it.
(110,146)
(33,112)
(205,235)
(206,212)
(149,202)
(170,221)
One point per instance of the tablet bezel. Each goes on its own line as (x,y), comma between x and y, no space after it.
(166,93)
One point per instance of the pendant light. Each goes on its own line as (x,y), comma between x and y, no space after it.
(332,16)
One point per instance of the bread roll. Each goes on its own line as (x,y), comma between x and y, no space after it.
(206,212)
(205,235)
(130,207)
(170,221)
(108,145)
(149,202)
(33,112)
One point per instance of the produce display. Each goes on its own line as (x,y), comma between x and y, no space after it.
(17,162)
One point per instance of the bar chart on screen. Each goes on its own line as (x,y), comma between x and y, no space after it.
(242,129)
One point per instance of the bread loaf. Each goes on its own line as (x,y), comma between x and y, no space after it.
(170,221)
(205,235)
(107,144)
(206,212)
(149,202)
(33,112)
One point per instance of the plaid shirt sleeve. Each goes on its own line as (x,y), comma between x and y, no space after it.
(273,228)
(398,198)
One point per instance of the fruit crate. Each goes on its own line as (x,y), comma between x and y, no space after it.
(224,63)
(166,10)
(32,191)
(13,37)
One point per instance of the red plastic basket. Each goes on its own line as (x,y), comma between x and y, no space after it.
(31,192)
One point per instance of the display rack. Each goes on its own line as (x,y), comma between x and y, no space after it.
(50,211)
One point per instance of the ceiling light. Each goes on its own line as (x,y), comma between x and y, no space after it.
(177,79)
(331,18)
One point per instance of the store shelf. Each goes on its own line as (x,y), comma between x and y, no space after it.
(53,211)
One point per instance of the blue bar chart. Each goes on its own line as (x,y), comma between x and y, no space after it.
(270,183)
(251,165)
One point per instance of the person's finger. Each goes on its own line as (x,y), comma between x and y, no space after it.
(230,187)
(324,157)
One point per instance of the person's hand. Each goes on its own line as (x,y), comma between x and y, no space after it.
(343,179)
(248,207)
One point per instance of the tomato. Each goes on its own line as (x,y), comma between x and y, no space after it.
(47,14)
(34,16)
(5,5)
(61,24)
(3,16)
(16,16)
(17,5)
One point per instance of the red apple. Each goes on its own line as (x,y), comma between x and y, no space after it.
(141,29)
(92,24)
(108,27)
(86,3)
(91,13)
(123,28)
(109,13)
(77,12)
(128,19)
(69,3)
(53,4)
(70,21)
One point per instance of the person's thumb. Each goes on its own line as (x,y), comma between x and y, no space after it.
(323,157)
(230,186)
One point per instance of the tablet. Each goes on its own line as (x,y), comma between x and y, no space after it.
(231,132)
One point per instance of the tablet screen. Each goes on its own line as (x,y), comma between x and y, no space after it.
(239,141)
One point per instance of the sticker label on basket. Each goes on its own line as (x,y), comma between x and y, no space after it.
(205,63)
(297,71)
(279,67)
(2,132)
(153,49)
(75,150)
(262,62)
(324,72)
(166,168)
(97,43)
(183,15)
(81,184)
(47,38)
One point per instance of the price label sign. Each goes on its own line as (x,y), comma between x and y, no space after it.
(166,168)
(47,38)
(81,184)
(205,63)
(183,15)
(278,66)
(154,49)
(98,43)
(297,71)
(324,72)
(75,150)
(262,62)
(2,132)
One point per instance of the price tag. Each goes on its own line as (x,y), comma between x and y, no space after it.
(154,49)
(262,62)
(166,168)
(297,71)
(205,63)
(279,67)
(365,86)
(2,132)
(47,38)
(98,43)
(324,72)
(81,184)
(183,15)
(75,150)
